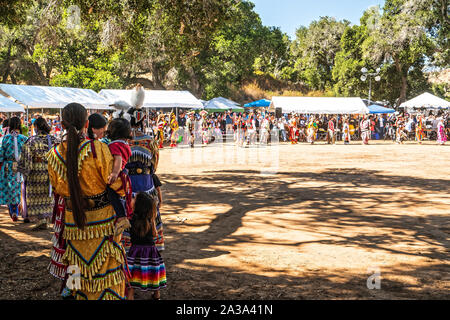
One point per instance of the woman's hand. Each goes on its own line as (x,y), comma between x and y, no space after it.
(121,225)
(112,177)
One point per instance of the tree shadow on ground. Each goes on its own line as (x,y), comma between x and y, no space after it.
(343,200)
(336,201)
(327,203)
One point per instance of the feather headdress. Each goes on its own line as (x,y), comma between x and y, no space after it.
(137,97)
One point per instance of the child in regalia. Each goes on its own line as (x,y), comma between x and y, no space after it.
(145,263)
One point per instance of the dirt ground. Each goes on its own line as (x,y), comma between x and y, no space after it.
(283,222)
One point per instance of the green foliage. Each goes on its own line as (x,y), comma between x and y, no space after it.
(88,78)
(315,50)
(217,47)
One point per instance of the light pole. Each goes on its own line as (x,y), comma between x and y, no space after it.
(366,74)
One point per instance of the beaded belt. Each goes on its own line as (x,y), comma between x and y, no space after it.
(138,171)
(91,203)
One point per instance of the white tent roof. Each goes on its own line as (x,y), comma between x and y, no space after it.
(155,98)
(6,105)
(426,100)
(38,97)
(320,105)
(221,103)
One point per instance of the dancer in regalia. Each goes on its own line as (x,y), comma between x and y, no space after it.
(79,169)
(204,127)
(142,166)
(146,265)
(37,192)
(346,131)
(365,130)
(174,130)
(312,130)
(160,134)
(293,130)
(441,134)
(419,129)
(190,125)
(10,177)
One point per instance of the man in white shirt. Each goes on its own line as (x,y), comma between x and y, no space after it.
(381,126)
(281,124)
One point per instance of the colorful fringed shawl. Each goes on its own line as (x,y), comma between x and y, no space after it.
(95,250)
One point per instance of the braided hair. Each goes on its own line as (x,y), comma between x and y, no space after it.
(74,117)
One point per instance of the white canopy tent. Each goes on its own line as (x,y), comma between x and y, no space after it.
(6,105)
(221,104)
(426,100)
(319,105)
(167,99)
(42,97)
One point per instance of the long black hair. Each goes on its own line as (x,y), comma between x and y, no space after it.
(15,124)
(42,126)
(96,121)
(74,117)
(144,214)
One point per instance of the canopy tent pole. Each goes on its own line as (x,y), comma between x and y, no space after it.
(148,120)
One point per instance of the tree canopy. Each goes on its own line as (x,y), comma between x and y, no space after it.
(214,47)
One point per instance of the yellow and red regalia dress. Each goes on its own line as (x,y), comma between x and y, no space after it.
(174,135)
(419,130)
(95,250)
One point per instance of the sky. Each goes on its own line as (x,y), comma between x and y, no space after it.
(291,14)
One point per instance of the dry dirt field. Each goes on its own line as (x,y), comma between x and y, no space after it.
(283,222)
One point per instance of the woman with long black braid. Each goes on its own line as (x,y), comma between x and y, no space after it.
(79,169)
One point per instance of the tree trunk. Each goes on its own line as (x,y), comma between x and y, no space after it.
(42,79)
(404,88)
(194,83)
(156,76)
(146,83)
(404,76)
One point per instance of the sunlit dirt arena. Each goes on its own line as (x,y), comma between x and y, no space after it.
(284,222)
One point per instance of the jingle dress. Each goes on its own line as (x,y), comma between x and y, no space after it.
(38,196)
(95,250)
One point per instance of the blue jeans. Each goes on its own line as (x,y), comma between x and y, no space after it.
(283,134)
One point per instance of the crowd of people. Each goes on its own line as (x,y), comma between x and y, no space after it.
(93,177)
(261,127)
(95,181)
(189,127)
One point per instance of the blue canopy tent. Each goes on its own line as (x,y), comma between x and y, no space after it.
(379,109)
(258,104)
